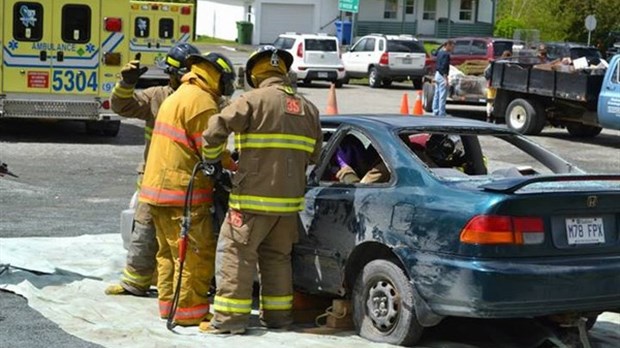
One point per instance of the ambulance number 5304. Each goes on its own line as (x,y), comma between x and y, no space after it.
(69,80)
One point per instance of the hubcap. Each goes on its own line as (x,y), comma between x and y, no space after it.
(382,305)
(518,116)
(372,78)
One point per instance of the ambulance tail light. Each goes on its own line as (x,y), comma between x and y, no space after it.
(106,104)
(154,7)
(113,24)
(185,29)
(185,10)
(112,58)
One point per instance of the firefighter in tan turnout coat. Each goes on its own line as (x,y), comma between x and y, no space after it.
(277,134)
(175,150)
(144,105)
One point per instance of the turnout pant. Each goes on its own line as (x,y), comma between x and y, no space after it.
(140,266)
(247,239)
(199,263)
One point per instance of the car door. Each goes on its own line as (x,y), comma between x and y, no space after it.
(609,98)
(356,60)
(332,219)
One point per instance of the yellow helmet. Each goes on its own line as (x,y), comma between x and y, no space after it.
(274,54)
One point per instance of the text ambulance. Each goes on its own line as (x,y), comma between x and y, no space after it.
(61,58)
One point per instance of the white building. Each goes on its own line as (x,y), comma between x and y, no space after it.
(217,18)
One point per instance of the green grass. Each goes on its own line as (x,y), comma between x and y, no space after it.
(213,40)
(430,46)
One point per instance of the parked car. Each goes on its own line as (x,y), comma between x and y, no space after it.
(386,58)
(472,220)
(479,48)
(316,57)
(559,50)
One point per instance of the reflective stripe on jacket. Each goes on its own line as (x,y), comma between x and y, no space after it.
(277,134)
(142,105)
(176,148)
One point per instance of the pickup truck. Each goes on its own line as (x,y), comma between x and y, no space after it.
(583,101)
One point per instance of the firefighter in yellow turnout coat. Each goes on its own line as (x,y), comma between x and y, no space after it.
(277,134)
(175,149)
(144,104)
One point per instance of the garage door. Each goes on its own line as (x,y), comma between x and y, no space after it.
(280,18)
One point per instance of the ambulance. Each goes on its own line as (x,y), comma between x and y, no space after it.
(61,58)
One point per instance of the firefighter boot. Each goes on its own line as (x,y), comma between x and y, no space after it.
(206,327)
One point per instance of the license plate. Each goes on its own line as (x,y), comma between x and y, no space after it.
(407,60)
(585,230)
(322,74)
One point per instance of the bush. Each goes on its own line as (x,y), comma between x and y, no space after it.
(506,27)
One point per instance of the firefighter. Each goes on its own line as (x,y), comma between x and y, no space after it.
(277,133)
(137,276)
(175,149)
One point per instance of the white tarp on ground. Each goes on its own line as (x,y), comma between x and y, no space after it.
(64,279)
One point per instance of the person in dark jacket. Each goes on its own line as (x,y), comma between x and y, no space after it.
(441,78)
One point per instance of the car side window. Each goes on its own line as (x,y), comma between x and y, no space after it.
(360,46)
(355,160)
(370,45)
(461,47)
(284,43)
(381,45)
(616,75)
(478,48)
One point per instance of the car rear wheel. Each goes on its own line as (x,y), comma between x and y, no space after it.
(583,131)
(417,83)
(373,78)
(525,117)
(383,305)
(428,92)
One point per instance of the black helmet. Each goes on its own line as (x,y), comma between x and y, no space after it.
(175,63)
(223,65)
(265,51)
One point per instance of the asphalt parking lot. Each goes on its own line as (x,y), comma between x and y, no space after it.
(72,184)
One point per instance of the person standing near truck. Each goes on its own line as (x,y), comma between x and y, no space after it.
(491,91)
(441,79)
(137,275)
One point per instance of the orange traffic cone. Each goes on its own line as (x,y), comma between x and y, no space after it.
(417,106)
(404,105)
(332,104)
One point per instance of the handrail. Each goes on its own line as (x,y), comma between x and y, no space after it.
(330,22)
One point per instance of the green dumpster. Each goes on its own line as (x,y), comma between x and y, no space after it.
(244,32)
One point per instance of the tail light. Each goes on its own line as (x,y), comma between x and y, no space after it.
(106,104)
(340,69)
(495,229)
(154,7)
(185,29)
(113,24)
(385,59)
(185,10)
(302,68)
(300,50)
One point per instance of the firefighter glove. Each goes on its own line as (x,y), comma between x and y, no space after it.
(132,71)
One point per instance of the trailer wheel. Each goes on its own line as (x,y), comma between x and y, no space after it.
(428,91)
(525,117)
(583,131)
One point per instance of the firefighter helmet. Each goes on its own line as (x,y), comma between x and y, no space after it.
(267,51)
(222,64)
(174,63)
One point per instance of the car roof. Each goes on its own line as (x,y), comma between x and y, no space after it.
(488,39)
(308,36)
(394,37)
(396,121)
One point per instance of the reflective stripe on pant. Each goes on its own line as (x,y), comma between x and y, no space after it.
(268,241)
(199,262)
(441,95)
(141,263)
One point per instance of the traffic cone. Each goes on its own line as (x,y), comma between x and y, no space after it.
(417,106)
(404,105)
(332,105)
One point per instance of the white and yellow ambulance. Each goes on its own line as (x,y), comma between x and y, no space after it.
(61,58)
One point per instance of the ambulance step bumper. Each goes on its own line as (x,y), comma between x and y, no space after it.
(69,110)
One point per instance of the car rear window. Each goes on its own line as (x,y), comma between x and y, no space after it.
(284,43)
(406,46)
(326,45)
(500,46)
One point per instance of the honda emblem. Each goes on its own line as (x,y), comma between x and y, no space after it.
(592,201)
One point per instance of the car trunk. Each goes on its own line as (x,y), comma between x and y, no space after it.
(321,52)
(405,55)
(579,216)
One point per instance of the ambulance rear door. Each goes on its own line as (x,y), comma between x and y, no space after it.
(26,46)
(75,43)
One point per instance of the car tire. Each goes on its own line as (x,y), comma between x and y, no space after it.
(583,131)
(428,93)
(383,309)
(373,78)
(525,117)
(417,83)
(107,128)
(338,83)
(386,83)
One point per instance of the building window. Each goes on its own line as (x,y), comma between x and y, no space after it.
(390,10)
(430,7)
(467,10)
(409,7)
